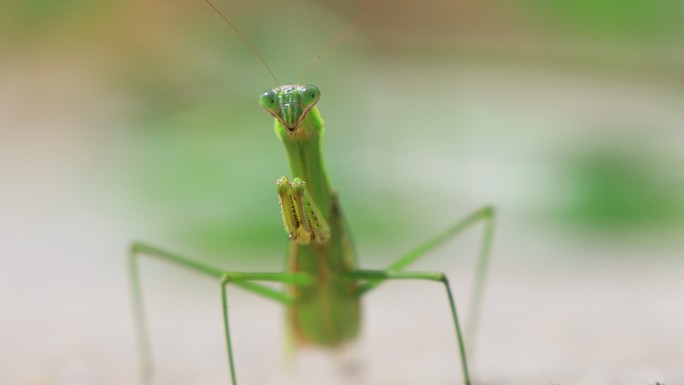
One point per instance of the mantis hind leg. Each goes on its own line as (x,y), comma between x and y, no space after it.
(384,275)
(245,281)
(486,215)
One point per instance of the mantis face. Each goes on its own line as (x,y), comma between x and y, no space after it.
(290,104)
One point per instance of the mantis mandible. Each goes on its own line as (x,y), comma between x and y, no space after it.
(323,282)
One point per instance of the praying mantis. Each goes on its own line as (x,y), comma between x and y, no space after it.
(323,284)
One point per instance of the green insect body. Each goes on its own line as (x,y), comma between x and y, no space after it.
(326,313)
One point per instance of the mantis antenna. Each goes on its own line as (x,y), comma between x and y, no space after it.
(318,58)
(336,41)
(244,38)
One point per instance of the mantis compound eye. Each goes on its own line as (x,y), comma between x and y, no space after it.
(309,95)
(269,100)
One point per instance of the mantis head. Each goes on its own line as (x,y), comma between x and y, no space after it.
(290,104)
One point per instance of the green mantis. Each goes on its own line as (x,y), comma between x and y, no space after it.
(323,282)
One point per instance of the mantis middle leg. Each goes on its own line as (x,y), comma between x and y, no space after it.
(487,215)
(246,281)
(377,276)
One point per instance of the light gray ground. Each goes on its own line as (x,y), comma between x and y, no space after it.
(66,321)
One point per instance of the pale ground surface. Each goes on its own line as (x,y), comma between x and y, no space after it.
(65,319)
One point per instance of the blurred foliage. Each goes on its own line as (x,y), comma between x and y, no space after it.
(612,189)
(24,21)
(32,14)
(201,155)
(634,20)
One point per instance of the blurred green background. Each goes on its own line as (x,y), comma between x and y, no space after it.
(139,120)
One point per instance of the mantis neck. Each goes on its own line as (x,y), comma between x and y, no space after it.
(306,160)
